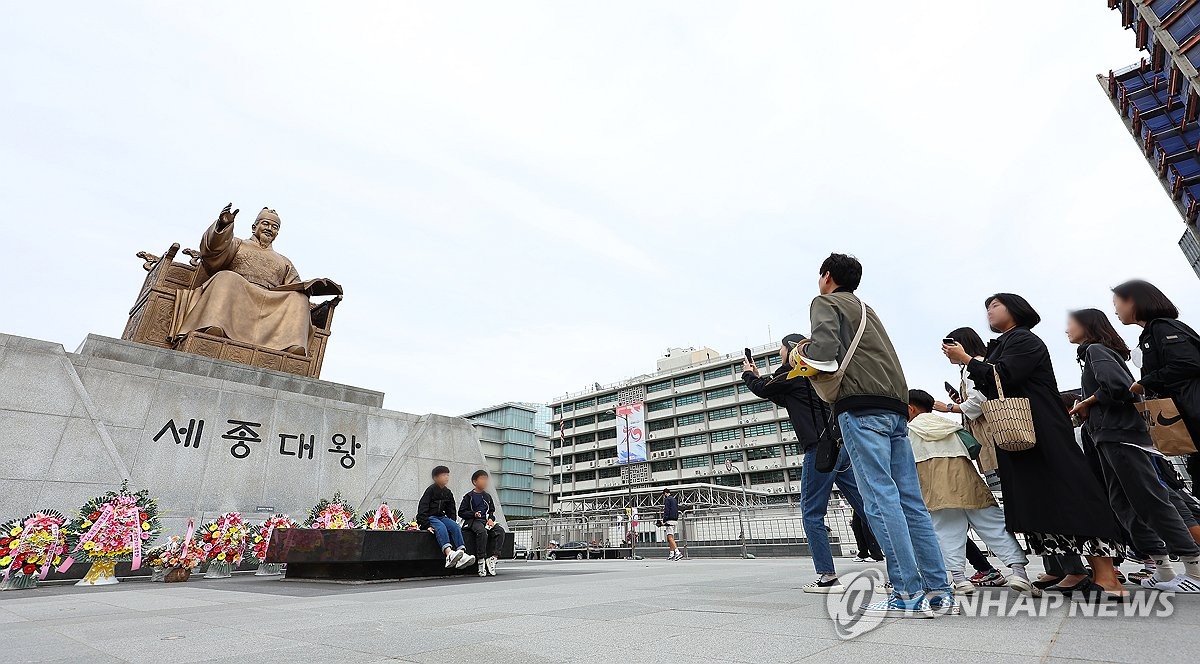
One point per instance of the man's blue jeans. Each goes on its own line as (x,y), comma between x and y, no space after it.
(447,532)
(883,462)
(815,488)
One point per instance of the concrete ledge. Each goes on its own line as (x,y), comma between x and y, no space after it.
(129,352)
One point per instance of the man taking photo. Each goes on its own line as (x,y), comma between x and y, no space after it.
(809,415)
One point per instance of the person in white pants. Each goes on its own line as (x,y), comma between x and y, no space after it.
(957,497)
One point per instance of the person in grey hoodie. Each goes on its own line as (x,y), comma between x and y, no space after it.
(872,411)
(1141,501)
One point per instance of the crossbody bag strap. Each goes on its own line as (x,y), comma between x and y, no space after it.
(862,327)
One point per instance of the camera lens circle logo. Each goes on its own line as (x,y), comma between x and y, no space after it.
(846,609)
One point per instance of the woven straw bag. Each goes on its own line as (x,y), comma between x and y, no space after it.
(1009,419)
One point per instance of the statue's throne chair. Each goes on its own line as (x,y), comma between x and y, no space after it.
(151,316)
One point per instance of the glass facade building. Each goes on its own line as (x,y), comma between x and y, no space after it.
(514,438)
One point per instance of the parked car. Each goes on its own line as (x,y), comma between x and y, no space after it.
(520,551)
(576,550)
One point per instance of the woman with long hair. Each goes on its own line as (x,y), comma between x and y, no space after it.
(1170,355)
(1122,441)
(1050,494)
(970,400)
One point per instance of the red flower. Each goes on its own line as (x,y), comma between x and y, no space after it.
(93,516)
(142,515)
(5,541)
(29,569)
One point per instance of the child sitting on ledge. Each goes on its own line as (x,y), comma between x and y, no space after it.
(478,512)
(435,513)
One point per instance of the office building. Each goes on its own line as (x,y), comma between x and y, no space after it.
(699,416)
(515,441)
(1159,101)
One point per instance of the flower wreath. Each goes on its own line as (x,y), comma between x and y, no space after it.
(112,527)
(382,519)
(31,546)
(224,539)
(178,552)
(332,514)
(260,538)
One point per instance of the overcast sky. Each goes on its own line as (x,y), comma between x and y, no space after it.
(522,199)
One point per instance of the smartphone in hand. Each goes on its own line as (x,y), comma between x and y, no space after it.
(749,357)
(954,394)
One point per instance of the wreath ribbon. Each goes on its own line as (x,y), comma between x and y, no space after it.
(33,525)
(107,514)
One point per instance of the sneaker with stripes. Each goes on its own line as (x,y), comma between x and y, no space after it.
(1180,584)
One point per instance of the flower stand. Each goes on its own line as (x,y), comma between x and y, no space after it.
(177,575)
(15,582)
(269,569)
(219,569)
(101,573)
(157,574)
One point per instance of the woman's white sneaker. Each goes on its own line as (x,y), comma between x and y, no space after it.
(827,587)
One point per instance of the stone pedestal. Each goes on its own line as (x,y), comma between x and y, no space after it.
(207,436)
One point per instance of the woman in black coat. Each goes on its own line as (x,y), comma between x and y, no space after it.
(1170,355)
(1051,495)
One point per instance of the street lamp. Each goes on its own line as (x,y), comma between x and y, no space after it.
(628,484)
(729,467)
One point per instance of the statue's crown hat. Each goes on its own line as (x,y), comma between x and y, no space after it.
(267,213)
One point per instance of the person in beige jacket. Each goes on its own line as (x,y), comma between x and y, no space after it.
(957,497)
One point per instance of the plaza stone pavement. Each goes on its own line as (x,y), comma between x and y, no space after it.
(620,611)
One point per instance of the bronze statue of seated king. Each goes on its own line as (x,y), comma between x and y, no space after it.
(238,299)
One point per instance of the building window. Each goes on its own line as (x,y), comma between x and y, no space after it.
(766,477)
(568,407)
(791,449)
(607,453)
(660,466)
(694,418)
(585,456)
(720,392)
(760,430)
(726,435)
(585,475)
(557,411)
(586,403)
(687,380)
(694,439)
(727,480)
(722,413)
(720,458)
(606,434)
(607,398)
(588,419)
(661,445)
(567,424)
(721,372)
(585,438)
(605,473)
(687,399)
(748,409)
(660,425)
(605,417)
(769,452)
(775,359)
(659,387)
(663,404)
(743,388)
(695,462)
(786,425)
(793,474)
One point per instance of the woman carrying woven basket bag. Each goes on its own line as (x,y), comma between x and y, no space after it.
(1050,494)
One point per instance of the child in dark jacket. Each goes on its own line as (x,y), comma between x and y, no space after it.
(435,513)
(478,512)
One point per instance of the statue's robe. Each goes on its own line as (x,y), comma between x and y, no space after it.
(253,294)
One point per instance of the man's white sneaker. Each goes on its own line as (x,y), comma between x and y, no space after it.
(859,559)
(491,566)
(453,557)
(466,560)
(825,587)
(482,568)
(964,587)
(1182,583)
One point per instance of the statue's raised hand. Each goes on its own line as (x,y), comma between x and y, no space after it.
(227,216)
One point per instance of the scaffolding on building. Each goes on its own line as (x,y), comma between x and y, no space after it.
(693,496)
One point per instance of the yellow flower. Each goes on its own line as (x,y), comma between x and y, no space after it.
(14,544)
(220,556)
(145,525)
(89,545)
(5,561)
(85,523)
(16,530)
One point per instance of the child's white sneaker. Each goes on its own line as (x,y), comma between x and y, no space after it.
(491,566)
